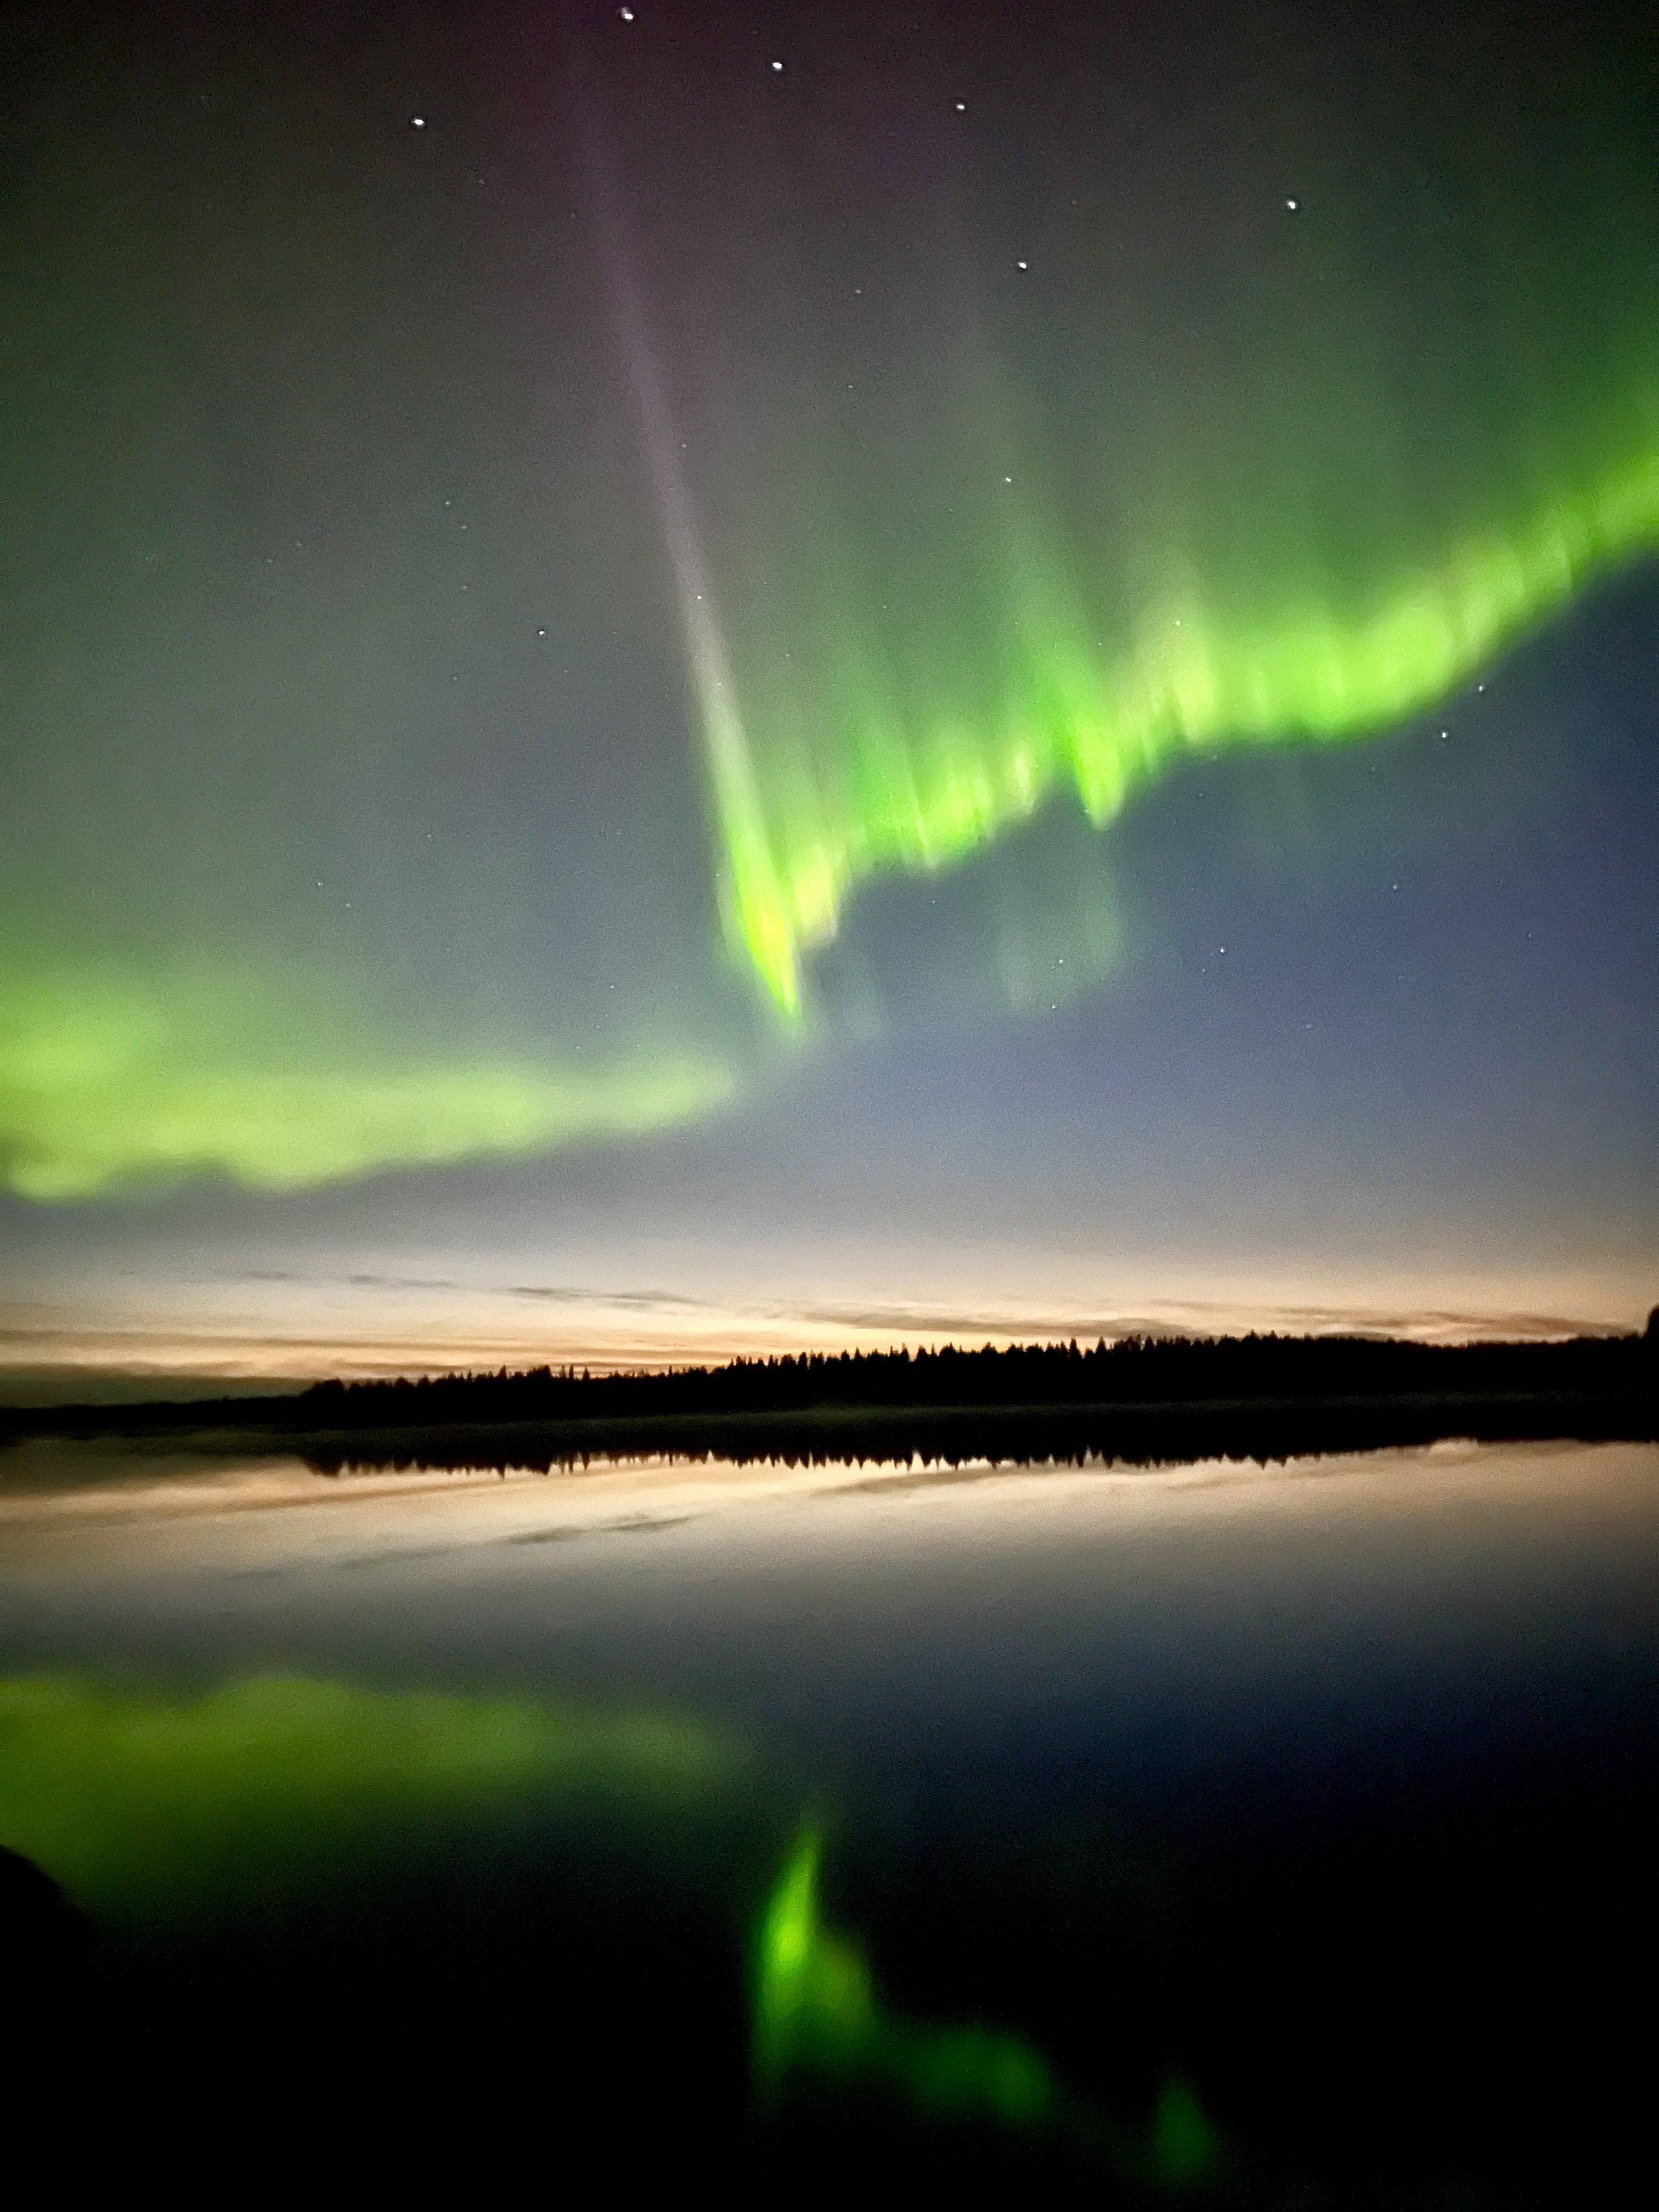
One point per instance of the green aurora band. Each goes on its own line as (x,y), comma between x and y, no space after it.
(1198,389)
(844,776)
(826,780)
(109,1078)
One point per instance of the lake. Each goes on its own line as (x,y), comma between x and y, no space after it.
(1223,1832)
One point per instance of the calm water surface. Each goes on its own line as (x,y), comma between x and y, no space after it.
(1295,1821)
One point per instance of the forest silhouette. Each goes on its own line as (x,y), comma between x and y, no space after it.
(1139,1400)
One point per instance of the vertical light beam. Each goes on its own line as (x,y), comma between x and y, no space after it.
(753,908)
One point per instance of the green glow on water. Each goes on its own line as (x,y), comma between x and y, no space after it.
(156,1813)
(266,1805)
(817,2011)
(818,2014)
(1185,2149)
(108,1079)
(864,755)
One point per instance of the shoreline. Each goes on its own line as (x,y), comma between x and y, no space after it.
(1145,1433)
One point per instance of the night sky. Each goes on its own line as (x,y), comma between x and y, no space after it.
(691,677)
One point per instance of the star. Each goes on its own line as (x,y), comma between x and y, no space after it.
(417,122)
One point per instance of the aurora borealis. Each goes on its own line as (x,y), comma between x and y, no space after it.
(1191,1833)
(1022,570)
(712,679)
(695,677)
(923,799)
(110,1080)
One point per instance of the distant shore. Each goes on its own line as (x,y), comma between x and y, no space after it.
(1138,1401)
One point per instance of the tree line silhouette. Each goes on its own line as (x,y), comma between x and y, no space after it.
(1139,1400)
(1131,1372)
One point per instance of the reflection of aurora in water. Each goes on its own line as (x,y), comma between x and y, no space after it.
(1326,1790)
(165,1813)
(244,1810)
(815,2010)
(818,2014)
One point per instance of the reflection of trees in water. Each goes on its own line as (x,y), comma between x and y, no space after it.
(1142,1401)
